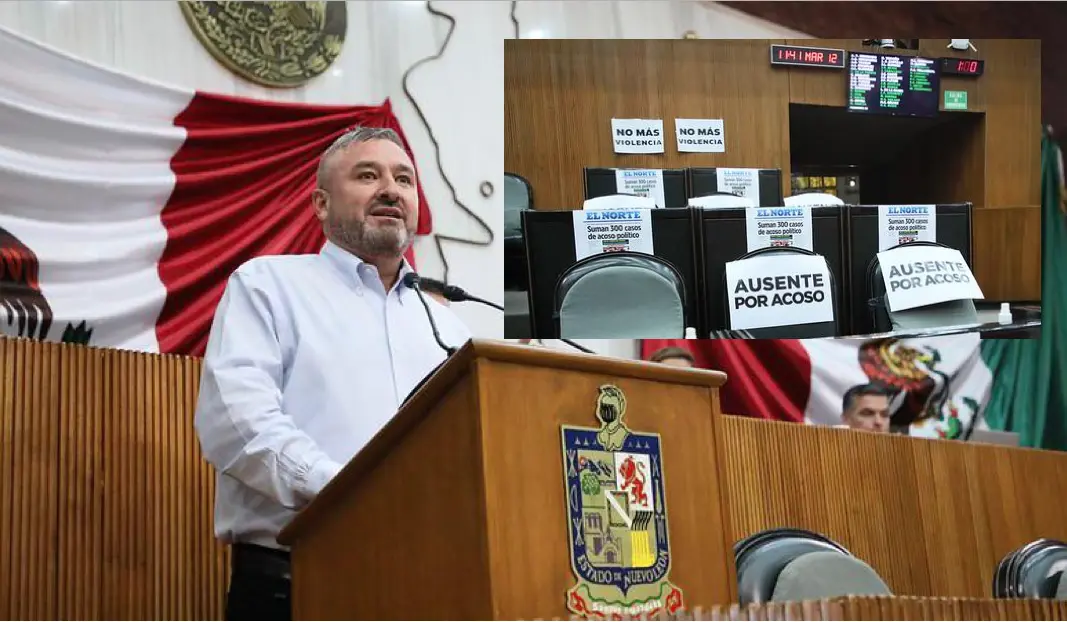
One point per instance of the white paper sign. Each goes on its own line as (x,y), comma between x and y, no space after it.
(899,224)
(700,135)
(642,182)
(925,275)
(637,135)
(779,290)
(744,182)
(607,230)
(779,226)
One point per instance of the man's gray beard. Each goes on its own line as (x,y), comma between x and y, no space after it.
(355,236)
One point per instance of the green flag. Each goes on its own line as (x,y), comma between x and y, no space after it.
(1029,392)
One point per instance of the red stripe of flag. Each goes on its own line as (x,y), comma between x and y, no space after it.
(766,378)
(244,178)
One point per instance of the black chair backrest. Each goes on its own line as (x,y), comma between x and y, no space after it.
(575,272)
(1034,570)
(790,331)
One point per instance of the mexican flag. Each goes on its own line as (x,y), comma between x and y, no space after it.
(941,384)
(125,205)
(1030,395)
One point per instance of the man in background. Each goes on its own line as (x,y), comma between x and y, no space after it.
(866,407)
(673,356)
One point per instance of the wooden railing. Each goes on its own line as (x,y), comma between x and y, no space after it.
(879,608)
(933,518)
(106,504)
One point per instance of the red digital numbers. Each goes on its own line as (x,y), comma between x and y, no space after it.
(967,66)
(802,56)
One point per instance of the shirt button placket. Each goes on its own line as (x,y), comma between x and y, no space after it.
(395,340)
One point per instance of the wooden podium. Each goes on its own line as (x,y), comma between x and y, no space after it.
(458,508)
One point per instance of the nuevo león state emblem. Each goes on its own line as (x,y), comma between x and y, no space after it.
(617,517)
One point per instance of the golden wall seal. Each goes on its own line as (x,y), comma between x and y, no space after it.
(278,44)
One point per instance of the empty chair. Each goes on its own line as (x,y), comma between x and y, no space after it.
(794,564)
(721,200)
(1034,570)
(813,199)
(618,201)
(621,295)
(951,313)
(788,331)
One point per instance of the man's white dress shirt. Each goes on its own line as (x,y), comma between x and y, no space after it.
(308,358)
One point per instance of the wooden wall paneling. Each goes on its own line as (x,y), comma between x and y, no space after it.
(113,588)
(162,518)
(981,494)
(895,474)
(1008,243)
(105,502)
(962,509)
(932,517)
(1012,87)
(1001,502)
(871,492)
(35,455)
(78,549)
(7,467)
(1040,480)
(560,97)
(1007,251)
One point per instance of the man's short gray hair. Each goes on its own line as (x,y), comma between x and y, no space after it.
(357,134)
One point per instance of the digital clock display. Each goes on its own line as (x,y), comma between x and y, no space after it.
(807,57)
(962,66)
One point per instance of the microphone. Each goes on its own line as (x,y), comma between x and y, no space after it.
(456,293)
(412,280)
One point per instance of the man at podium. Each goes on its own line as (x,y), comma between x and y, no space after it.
(309,356)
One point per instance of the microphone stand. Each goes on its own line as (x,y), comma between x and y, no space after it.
(455,293)
(412,280)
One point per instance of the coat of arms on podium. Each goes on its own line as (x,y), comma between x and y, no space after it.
(617,517)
